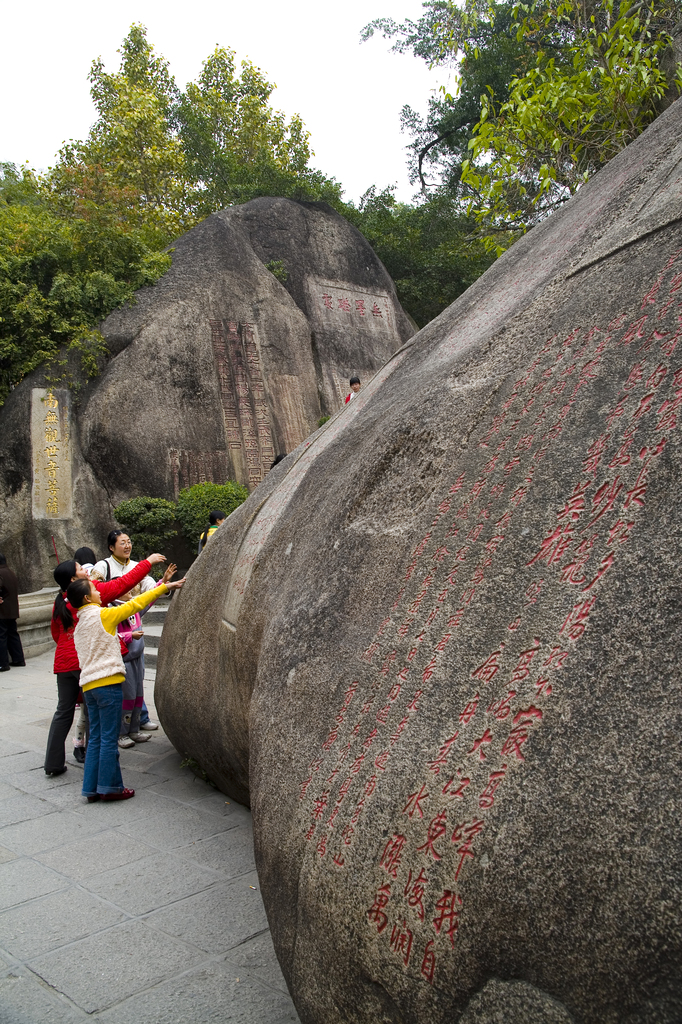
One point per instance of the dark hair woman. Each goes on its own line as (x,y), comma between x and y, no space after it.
(66,666)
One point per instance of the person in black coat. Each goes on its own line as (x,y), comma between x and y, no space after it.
(10,644)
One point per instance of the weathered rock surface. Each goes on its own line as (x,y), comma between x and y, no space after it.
(217,369)
(440,646)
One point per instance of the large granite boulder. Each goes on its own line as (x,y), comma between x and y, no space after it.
(438,649)
(219,367)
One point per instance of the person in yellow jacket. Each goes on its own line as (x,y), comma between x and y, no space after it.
(102,675)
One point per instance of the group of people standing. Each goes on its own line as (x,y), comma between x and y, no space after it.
(100,654)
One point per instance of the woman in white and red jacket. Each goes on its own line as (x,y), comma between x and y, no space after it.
(66,666)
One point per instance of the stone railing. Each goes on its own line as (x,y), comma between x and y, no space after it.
(35,612)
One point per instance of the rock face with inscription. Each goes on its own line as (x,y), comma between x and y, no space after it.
(440,647)
(232,367)
(216,369)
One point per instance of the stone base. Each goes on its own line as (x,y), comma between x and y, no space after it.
(35,613)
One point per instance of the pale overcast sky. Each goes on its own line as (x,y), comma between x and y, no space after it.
(348,94)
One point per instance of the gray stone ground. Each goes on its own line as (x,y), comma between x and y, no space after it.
(145,910)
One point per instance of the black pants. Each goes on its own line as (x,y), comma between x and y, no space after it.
(10,644)
(68,689)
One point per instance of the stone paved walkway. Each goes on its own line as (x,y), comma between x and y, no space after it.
(146,910)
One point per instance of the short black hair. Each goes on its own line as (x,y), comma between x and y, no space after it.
(86,555)
(354,380)
(111,539)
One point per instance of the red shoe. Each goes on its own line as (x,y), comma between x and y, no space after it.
(125,794)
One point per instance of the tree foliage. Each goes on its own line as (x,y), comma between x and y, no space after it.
(149,522)
(547,92)
(196,503)
(427,248)
(161,159)
(59,277)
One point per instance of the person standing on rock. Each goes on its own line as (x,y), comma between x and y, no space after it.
(10,642)
(355,386)
(102,675)
(215,520)
(66,665)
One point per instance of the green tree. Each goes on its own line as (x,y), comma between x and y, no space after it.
(547,92)
(572,110)
(159,160)
(149,522)
(427,248)
(59,277)
(196,503)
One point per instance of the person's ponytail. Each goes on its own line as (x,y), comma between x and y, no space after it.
(61,612)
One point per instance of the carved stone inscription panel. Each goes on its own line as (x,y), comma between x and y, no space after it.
(51,496)
(236,353)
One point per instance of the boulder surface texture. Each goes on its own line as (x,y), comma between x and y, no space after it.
(217,368)
(438,649)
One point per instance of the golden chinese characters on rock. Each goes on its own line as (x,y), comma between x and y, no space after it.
(51,496)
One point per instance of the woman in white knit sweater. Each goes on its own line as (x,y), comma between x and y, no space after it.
(102,675)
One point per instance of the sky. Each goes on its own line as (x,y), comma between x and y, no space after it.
(349,94)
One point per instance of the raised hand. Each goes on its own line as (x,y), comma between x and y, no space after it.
(156,558)
(169,573)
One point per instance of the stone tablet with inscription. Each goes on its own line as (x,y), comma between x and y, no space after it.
(441,647)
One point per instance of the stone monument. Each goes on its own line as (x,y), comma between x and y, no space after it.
(438,649)
(215,370)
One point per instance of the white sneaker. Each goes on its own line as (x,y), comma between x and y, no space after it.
(126,741)
(139,737)
(149,726)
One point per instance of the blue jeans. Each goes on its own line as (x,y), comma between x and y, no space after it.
(102,772)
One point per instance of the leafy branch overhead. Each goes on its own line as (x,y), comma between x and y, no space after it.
(547,93)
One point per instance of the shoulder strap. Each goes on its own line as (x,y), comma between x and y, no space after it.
(108,563)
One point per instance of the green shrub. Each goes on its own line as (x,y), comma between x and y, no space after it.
(195,504)
(322,420)
(149,523)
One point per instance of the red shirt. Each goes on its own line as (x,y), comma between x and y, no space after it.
(65,657)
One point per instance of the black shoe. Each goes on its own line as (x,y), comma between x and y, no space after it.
(79,754)
(4,668)
(55,771)
(18,664)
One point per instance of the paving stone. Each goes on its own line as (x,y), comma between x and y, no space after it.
(6,855)
(7,790)
(216,994)
(22,879)
(22,761)
(230,852)
(44,924)
(11,747)
(137,780)
(48,832)
(110,814)
(106,968)
(216,803)
(150,883)
(167,831)
(21,807)
(170,765)
(187,789)
(25,1000)
(35,781)
(257,956)
(218,919)
(102,852)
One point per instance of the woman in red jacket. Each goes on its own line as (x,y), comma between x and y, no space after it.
(66,666)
